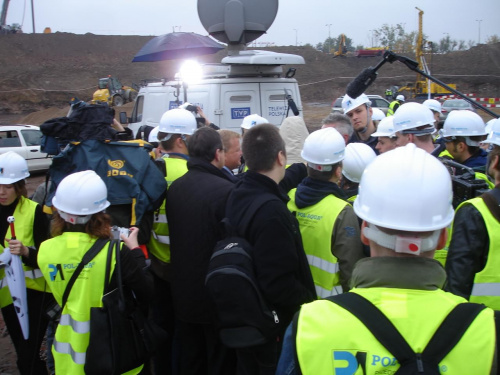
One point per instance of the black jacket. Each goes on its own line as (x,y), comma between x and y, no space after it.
(280,262)
(196,203)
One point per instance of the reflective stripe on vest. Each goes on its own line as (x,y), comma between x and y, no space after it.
(161,239)
(330,340)
(65,348)
(323,293)
(160,218)
(159,243)
(58,258)
(24,215)
(323,264)
(78,327)
(486,287)
(316,227)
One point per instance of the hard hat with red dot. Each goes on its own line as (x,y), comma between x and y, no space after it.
(408,190)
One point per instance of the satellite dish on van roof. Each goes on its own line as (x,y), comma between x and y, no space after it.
(237,22)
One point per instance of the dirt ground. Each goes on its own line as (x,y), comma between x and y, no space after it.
(44,71)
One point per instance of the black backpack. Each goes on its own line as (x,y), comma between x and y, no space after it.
(442,342)
(244,317)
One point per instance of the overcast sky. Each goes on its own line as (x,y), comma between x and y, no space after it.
(301,21)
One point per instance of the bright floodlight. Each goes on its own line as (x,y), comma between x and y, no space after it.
(190,72)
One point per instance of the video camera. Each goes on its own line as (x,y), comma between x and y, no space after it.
(200,121)
(464,183)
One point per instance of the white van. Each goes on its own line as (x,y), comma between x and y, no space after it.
(251,82)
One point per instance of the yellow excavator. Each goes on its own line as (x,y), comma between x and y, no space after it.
(342,51)
(110,90)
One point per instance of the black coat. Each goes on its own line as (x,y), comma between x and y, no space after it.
(280,262)
(196,204)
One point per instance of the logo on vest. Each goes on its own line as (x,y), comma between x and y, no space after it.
(348,362)
(55,269)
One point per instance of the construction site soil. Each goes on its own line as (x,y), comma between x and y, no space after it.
(40,73)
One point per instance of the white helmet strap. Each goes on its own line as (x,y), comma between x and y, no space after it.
(74,219)
(402,244)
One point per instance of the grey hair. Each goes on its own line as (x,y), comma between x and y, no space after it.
(340,121)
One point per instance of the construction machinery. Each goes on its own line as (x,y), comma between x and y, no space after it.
(110,90)
(4,28)
(342,50)
(423,87)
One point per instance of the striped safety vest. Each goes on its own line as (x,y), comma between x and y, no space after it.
(486,287)
(159,244)
(316,227)
(58,258)
(24,215)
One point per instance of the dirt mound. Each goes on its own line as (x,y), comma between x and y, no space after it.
(45,70)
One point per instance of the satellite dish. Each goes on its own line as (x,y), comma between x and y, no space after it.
(237,22)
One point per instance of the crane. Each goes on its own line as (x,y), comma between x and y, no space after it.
(3,16)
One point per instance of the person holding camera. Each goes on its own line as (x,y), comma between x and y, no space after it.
(80,220)
(201,118)
(474,251)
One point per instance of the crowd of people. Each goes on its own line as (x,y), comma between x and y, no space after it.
(362,206)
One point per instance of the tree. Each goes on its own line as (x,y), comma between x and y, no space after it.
(461,45)
(388,35)
(493,39)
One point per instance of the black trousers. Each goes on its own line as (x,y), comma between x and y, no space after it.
(161,311)
(201,352)
(28,351)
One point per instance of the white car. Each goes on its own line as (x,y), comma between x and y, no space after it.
(25,140)
(377,102)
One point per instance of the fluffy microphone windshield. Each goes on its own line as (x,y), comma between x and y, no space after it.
(359,84)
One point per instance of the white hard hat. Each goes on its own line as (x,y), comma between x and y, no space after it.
(410,116)
(348,103)
(178,121)
(13,168)
(357,157)
(153,134)
(252,120)
(406,189)
(385,128)
(323,147)
(80,194)
(400,98)
(433,105)
(489,125)
(494,134)
(463,123)
(377,114)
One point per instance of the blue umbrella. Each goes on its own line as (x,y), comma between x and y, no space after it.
(177,46)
